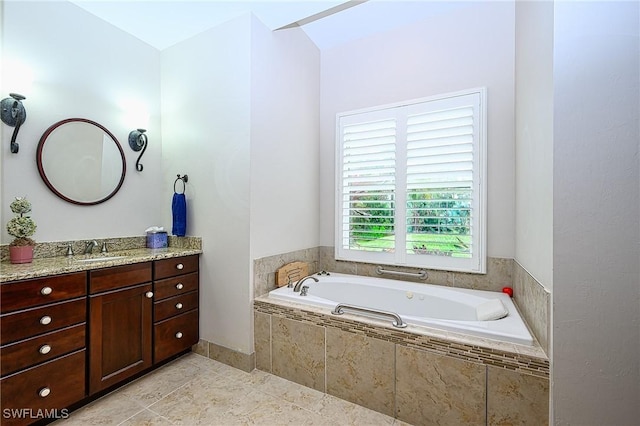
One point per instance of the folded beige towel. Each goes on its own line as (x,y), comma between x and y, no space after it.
(491,310)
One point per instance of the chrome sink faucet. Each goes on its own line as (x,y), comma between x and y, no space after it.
(299,283)
(88,248)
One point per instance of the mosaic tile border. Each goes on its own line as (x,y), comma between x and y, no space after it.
(511,360)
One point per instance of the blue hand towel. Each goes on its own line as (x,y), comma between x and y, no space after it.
(179,209)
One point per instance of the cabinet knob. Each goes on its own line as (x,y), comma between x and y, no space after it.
(44,392)
(178,305)
(46,290)
(179,335)
(149,294)
(180,266)
(45,320)
(179,286)
(44,349)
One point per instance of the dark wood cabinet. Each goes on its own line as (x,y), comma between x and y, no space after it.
(175,308)
(174,335)
(120,324)
(43,347)
(171,267)
(66,338)
(43,391)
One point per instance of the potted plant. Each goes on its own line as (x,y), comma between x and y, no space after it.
(21,227)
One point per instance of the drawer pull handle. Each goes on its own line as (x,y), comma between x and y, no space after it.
(149,294)
(179,286)
(46,291)
(44,392)
(44,349)
(180,266)
(179,335)
(45,320)
(178,305)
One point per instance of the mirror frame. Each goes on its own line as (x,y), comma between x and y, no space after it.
(43,175)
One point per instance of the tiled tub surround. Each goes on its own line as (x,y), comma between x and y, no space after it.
(264,269)
(534,303)
(418,375)
(499,271)
(49,257)
(532,300)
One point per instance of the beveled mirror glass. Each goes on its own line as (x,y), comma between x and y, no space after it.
(81,161)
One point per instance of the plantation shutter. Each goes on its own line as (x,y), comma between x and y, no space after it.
(410,184)
(367,182)
(440,177)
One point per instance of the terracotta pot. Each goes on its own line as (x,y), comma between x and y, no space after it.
(20,254)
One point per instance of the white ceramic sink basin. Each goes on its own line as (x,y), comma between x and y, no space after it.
(99,259)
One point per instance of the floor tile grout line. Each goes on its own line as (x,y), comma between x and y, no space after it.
(160,415)
(248,380)
(128,418)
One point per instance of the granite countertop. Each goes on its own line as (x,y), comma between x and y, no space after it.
(42,267)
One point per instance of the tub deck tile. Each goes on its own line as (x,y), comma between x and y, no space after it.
(361,370)
(439,390)
(297,352)
(528,360)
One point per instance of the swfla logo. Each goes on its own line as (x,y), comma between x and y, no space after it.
(30,413)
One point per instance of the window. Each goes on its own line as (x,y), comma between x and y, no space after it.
(411,183)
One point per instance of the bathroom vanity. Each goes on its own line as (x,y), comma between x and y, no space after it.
(68,335)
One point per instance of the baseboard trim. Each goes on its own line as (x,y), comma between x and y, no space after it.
(236,359)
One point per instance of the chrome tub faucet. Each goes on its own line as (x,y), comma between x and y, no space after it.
(299,283)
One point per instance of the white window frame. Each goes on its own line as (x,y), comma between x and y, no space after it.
(474,264)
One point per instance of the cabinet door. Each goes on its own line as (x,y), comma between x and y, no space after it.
(120,339)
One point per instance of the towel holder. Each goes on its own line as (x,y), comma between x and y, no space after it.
(184,180)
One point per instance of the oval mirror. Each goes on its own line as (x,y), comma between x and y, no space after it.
(81,161)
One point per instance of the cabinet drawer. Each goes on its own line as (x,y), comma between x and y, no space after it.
(35,321)
(175,286)
(36,350)
(119,277)
(175,335)
(175,266)
(51,386)
(175,305)
(28,293)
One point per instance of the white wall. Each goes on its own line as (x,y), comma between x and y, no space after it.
(596,275)
(206,112)
(82,67)
(534,139)
(240,117)
(473,46)
(285,102)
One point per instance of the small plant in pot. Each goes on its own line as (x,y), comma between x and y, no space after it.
(21,227)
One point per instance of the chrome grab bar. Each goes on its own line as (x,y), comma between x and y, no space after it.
(422,274)
(340,307)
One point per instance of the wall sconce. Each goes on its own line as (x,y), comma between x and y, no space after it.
(13,114)
(138,141)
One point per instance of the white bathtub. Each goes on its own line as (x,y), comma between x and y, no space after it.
(447,308)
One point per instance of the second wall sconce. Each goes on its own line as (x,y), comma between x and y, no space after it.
(13,114)
(138,141)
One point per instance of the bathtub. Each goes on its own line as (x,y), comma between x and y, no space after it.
(426,305)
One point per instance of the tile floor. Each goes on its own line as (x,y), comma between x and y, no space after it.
(195,390)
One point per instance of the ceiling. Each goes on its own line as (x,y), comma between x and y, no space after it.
(163,23)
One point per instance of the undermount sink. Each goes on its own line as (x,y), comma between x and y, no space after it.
(99,259)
